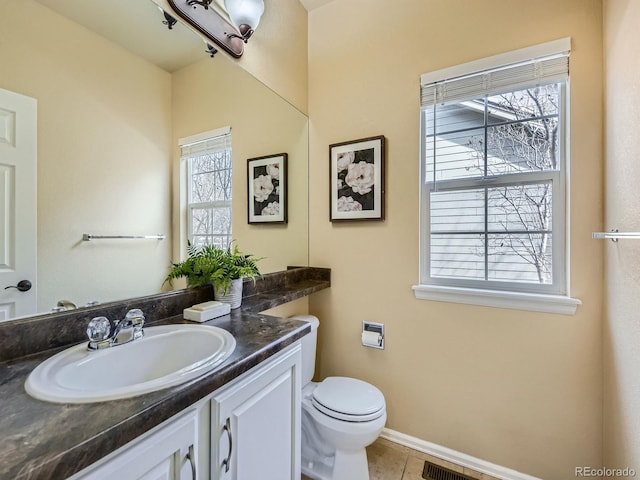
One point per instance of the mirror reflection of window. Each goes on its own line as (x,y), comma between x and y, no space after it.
(209,173)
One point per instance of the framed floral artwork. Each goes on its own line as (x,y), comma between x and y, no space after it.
(357,179)
(267,177)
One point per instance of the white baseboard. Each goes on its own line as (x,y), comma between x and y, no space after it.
(453,456)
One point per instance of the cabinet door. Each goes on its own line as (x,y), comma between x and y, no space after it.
(256,423)
(162,471)
(167,453)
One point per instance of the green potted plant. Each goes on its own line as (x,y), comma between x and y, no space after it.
(222,268)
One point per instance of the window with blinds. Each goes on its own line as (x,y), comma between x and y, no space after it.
(493,166)
(209,174)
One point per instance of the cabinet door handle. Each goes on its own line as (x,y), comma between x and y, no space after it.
(227,428)
(192,460)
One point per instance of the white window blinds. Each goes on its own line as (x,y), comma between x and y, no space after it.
(219,140)
(463,83)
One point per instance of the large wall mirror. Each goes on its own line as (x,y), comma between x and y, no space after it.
(115,90)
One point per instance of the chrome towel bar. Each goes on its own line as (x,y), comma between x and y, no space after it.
(88,236)
(614,235)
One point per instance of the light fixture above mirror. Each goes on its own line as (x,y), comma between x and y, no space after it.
(245,14)
(210,22)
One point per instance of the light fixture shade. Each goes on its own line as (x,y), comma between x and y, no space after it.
(245,12)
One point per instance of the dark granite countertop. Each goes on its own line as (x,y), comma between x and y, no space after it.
(28,336)
(40,440)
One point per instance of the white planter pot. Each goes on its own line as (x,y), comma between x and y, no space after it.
(233,296)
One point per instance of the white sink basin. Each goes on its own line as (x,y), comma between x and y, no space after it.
(166,356)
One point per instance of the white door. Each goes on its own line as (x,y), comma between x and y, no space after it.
(18,240)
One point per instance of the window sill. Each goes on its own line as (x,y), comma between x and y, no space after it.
(494,298)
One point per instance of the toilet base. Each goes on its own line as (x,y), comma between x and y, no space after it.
(346,466)
(351,465)
(316,470)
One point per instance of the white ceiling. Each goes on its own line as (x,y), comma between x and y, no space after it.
(311,4)
(135,25)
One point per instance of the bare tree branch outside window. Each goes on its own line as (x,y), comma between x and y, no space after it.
(508,224)
(210,177)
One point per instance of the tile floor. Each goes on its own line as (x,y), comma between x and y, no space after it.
(390,461)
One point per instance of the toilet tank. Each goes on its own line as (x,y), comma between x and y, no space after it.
(308,347)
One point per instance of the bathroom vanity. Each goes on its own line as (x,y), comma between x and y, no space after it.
(250,428)
(248,408)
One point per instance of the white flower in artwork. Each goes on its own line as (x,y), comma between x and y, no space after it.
(345,159)
(274,170)
(273,208)
(262,187)
(278,190)
(348,204)
(360,177)
(339,183)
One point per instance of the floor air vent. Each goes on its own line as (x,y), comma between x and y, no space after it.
(432,471)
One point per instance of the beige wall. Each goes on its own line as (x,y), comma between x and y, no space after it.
(210,95)
(104,130)
(519,389)
(277,52)
(622,313)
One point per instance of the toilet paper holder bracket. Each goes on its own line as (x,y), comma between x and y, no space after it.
(373,328)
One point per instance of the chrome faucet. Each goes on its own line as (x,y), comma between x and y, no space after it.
(66,305)
(63,306)
(127,330)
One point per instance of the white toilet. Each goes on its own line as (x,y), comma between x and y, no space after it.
(340,417)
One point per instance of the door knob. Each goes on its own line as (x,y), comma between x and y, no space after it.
(23,286)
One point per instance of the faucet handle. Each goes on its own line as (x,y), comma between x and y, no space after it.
(98,329)
(135,316)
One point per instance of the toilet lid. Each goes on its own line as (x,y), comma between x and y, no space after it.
(348,399)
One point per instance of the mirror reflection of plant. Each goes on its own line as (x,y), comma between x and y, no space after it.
(210,265)
(266,188)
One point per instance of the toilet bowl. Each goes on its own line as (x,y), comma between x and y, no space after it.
(340,417)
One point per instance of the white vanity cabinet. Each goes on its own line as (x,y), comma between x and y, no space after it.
(255,423)
(167,453)
(248,429)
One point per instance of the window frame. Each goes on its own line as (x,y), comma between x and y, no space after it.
(520,295)
(214,204)
(557,178)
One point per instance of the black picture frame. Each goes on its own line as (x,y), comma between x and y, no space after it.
(357,183)
(267,189)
